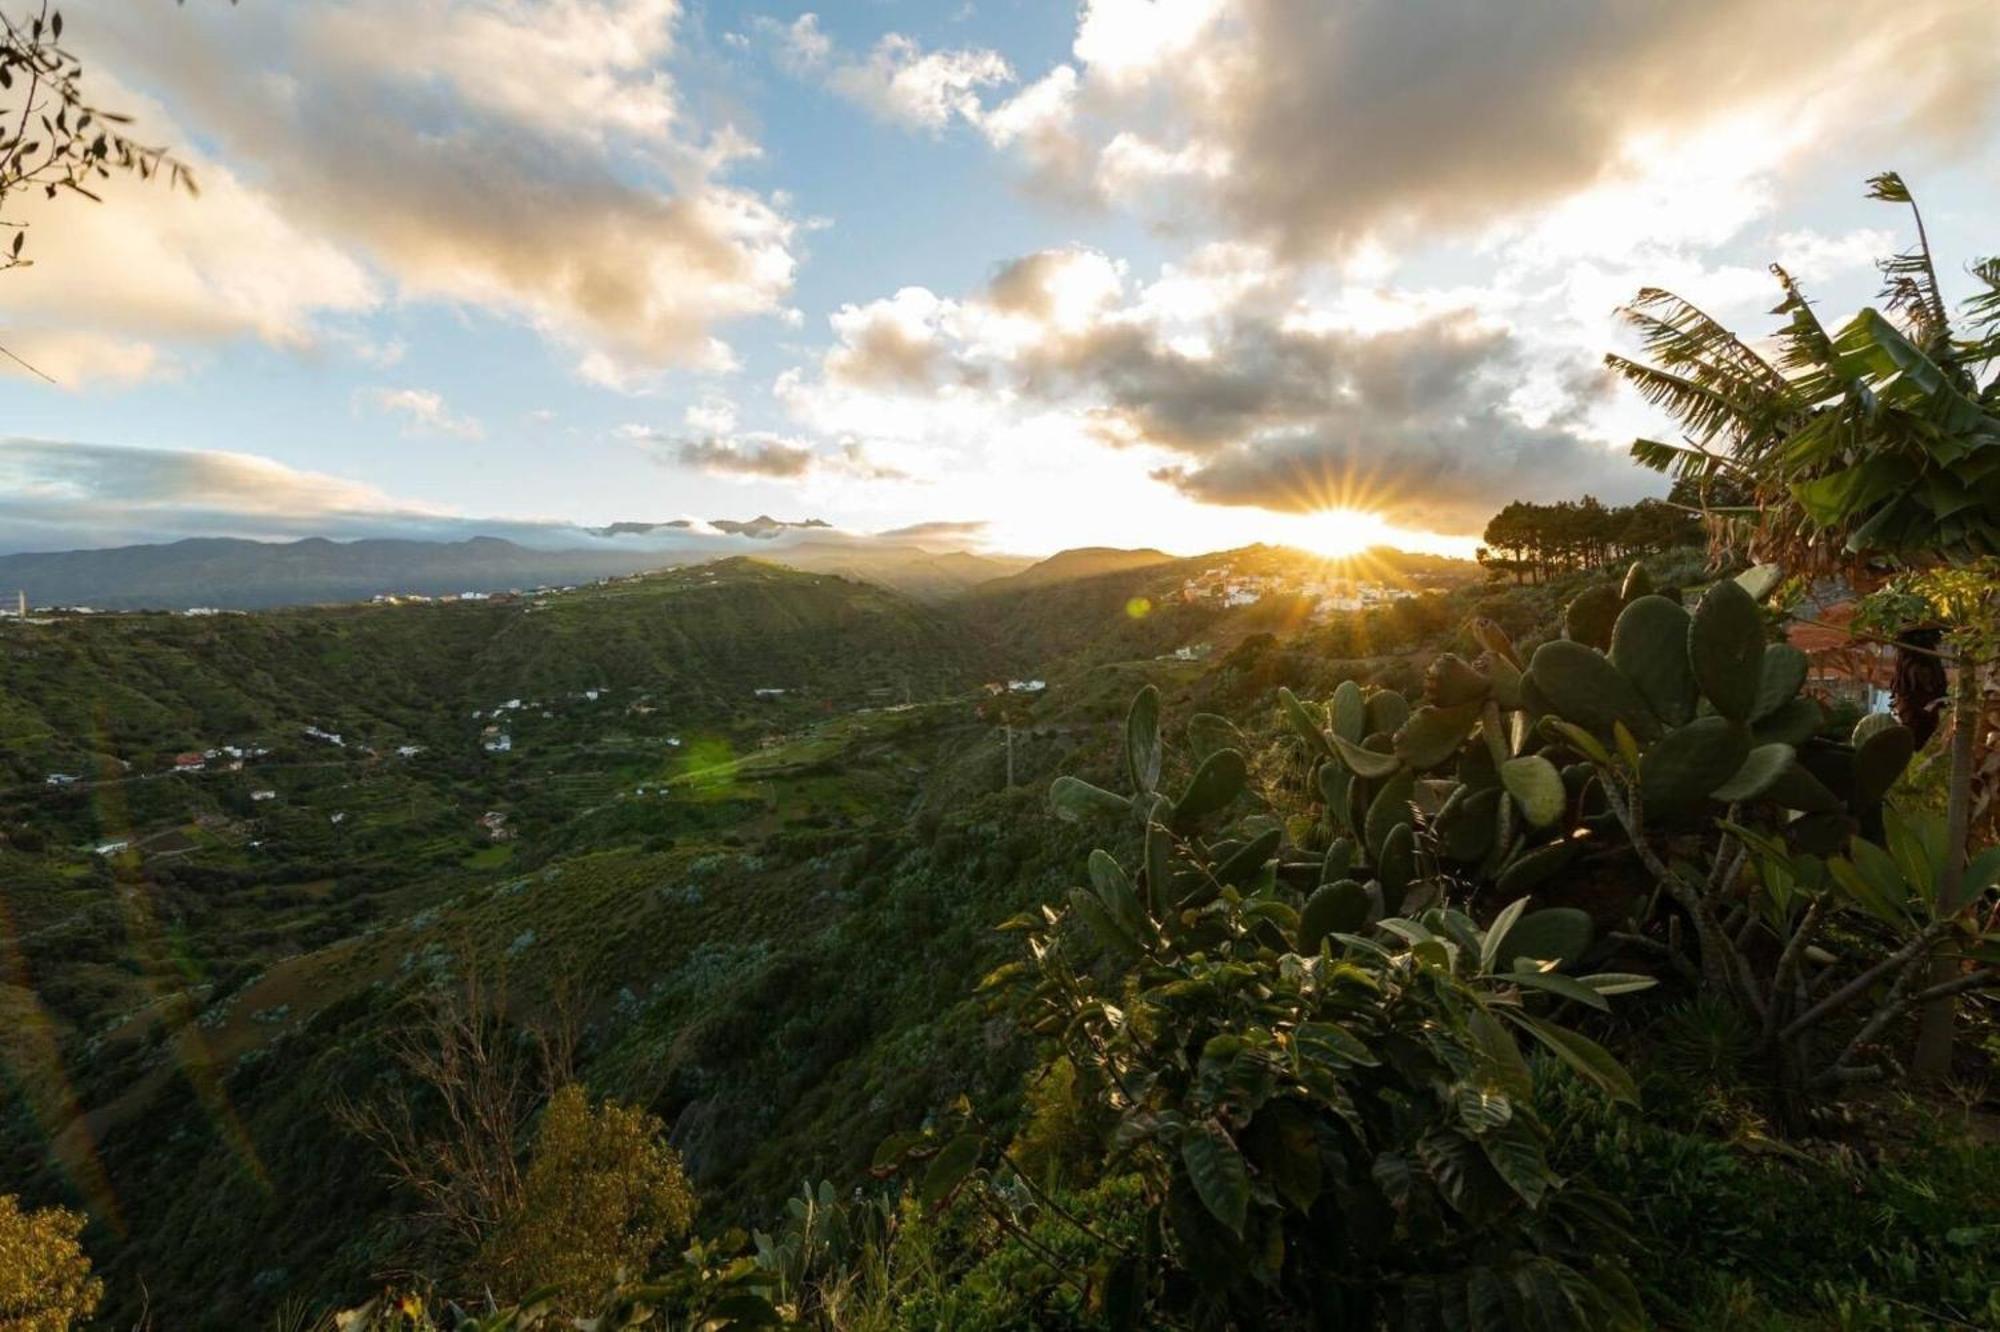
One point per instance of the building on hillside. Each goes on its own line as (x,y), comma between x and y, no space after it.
(497,741)
(191,761)
(771,692)
(61,779)
(261,796)
(1841,668)
(495,823)
(408,751)
(1026,686)
(113,848)
(329,737)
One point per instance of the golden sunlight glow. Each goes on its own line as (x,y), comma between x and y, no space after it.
(1336,532)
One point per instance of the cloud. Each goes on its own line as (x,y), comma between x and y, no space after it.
(747,455)
(57,495)
(897,80)
(1230,380)
(1316,127)
(936,530)
(753,454)
(422,411)
(125,290)
(530,160)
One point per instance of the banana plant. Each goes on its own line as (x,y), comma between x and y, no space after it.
(1870,445)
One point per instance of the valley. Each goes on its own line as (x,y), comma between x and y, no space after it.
(747,825)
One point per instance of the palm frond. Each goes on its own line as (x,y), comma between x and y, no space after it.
(1806,356)
(1707,413)
(1679,334)
(1677,460)
(1909,280)
(1982,313)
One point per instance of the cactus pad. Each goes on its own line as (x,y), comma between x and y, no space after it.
(1726,649)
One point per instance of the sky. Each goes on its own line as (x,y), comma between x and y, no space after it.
(1006,275)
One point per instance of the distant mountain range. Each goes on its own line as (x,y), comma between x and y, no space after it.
(233,574)
(1080,562)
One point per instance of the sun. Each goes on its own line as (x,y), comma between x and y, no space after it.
(1335,532)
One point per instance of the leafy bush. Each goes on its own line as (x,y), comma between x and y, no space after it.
(45,1280)
(1327,1126)
(602,1196)
(1759,1234)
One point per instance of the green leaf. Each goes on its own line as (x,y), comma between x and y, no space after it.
(1589,1059)
(1760,771)
(1349,712)
(1331,1043)
(1159,866)
(1482,1109)
(1489,947)
(1517,1158)
(1365,763)
(893,1149)
(1218,1174)
(1503,1054)
(1389,810)
(1103,924)
(1249,859)
(1780,678)
(1334,908)
(949,1169)
(1433,734)
(1338,860)
(1726,649)
(1553,934)
(1304,724)
(1582,741)
(1209,734)
(1107,876)
(1336,789)
(1077,801)
(1219,780)
(1142,739)
(1536,787)
(1554,982)
(1617,982)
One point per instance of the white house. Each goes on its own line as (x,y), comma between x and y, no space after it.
(112,848)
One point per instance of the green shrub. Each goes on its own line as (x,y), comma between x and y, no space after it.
(1760,1234)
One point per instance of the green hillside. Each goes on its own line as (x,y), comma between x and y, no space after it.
(761,916)
(771,903)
